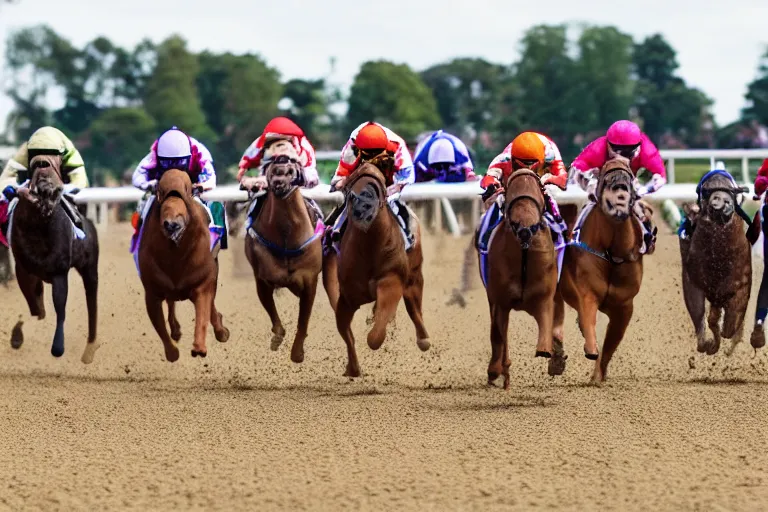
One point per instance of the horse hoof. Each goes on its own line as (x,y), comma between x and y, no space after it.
(591,357)
(172,354)
(423,344)
(200,353)
(556,366)
(17,335)
(222,336)
(89,353)
(757,340)
(543,353)
(57,351)
(176,334)
(297,356)
(506,382)
(277,340)
(352,372)
(713,348)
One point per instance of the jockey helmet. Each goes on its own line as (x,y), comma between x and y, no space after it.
(371,136)
(528,151)
(174,150)
(441,151)
(624,138)
(282,126)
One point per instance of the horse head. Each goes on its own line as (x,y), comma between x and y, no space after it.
(366,195)
(524,205)
(174,193)
(284,171)
(616,195)
(718,198)
(46,185)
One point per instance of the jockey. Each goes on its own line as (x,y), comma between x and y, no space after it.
(47,141)
(534,151)
(265,147)
(761,185)
(444,157)
(176,150)
(366,142)
(623,138)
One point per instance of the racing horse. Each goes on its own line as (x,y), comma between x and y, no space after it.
(520,269)
(46,244)
(602,267)
(176,263)
(716,260)
(372,264)
(284,248)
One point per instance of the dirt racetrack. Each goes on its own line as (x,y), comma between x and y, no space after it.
(247,429)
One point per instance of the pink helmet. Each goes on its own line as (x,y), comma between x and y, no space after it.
(624,133)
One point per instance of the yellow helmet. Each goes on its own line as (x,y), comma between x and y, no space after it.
(528,152)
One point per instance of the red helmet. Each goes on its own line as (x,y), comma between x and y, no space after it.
(283,126)
(371,136)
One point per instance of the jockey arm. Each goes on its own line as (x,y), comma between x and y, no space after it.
(651,160)
(72,163)
(140,177)
(206,177)
(500,165)
(557,175)
(761,181)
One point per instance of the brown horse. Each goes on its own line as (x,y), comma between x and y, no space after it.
(373,266)
(284,248)
(176,263)
(521,270)
(717,263)
(44,245)
(602,268)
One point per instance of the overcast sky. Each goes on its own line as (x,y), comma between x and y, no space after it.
(718,46)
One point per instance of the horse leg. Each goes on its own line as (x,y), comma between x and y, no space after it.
(617,325)
(155,312)
(695,303)
(499,325)
(544,315)
(32,288)
(217,319)
(90,277)
(412,296)
(344,314)
(733,321)
(60,285)
(331,278)
(587,323)
(556,365)
(389,291)
(203,300)
(306,301)
(266,296)
(173,322)
(713,319)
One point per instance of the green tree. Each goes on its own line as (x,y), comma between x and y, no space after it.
(171,92)
(665,103)
(118,139)
(308,104)
(394,95)
(467,92)
(544,96)
(239,95)
(605,68)
(757,93)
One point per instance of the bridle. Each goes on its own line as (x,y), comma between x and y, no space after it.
(297,181)
(525,234)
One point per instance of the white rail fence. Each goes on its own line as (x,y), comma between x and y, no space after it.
(442,194)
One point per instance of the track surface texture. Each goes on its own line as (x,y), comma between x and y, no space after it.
(247,429)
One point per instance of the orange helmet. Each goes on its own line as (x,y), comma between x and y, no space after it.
(371,136)
(528,151)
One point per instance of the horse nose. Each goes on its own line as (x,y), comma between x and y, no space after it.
(171,226)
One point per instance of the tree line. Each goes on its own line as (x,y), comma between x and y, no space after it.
(117,100)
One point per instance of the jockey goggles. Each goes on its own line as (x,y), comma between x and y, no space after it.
(527,163)
(627,151)
(448,172)
(181,163)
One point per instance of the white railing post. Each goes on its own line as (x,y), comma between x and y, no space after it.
(671,170)
(745,169)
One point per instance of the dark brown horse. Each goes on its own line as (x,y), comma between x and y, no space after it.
(521,270)
(373,266)
(602,268)
(45,247)
(176,263)
(284,248)
(717,263)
